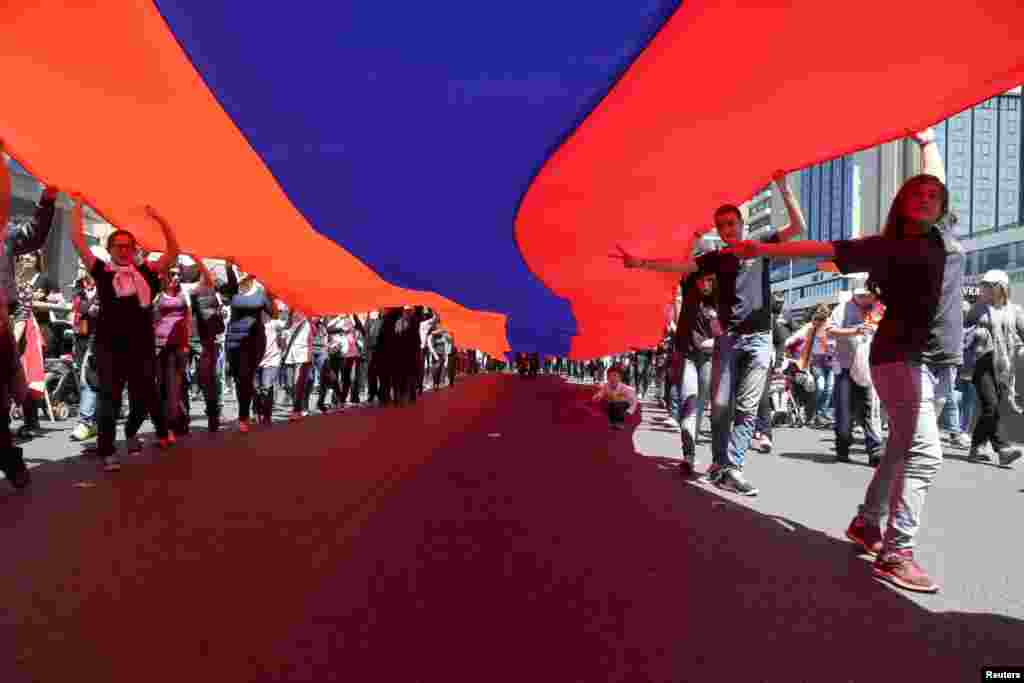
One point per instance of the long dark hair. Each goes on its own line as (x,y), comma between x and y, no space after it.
(895,228)
(895,222)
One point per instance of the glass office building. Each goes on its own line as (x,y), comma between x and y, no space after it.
(981,148)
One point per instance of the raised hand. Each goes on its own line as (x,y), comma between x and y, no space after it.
(152,213)
(627,260)
(923,137)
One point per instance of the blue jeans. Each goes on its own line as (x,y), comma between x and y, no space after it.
(739,367)
(319,358)
(86,394)
(824,379)
(87,404)
(968,403)
(944,394)
(687,398)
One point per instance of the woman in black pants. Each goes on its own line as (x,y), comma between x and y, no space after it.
(246,339)
(999,330)
(125,345)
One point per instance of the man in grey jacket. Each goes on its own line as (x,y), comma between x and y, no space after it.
(13,243)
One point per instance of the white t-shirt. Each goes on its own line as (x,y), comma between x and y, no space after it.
(272,355)
(300,351)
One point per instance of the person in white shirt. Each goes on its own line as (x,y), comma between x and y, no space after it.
(300,354)
(270,366)
(621,398)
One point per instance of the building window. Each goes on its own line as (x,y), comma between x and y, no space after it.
(986,149)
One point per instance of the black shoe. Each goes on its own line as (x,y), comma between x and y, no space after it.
(732,480)
(29,432)
(14,468)
(213,423)
(842,458)
(874,460)
(713,474)
(688,446)
(686,470)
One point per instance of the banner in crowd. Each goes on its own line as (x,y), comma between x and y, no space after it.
(361,154)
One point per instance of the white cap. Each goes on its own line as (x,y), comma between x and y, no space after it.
(997,277)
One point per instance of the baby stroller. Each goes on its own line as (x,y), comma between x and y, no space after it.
(62,388)
(801,390)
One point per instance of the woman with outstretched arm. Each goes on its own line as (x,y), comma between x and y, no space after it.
(918,268)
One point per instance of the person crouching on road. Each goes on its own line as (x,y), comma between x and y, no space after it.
(621,398)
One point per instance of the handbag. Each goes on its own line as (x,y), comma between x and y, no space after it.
(860,368)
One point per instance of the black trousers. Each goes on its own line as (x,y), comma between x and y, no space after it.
(439,368)
(617,411)
(330,379)
(990,396)
(116,368)
(12,383)
(643,378)
(453,368)
(243,361)
(372,375)
(384,363)
(208,379)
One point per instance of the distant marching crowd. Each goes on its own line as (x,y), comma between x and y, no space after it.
(163,328)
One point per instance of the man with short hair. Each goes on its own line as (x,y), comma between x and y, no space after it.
(853,323)
(742,352)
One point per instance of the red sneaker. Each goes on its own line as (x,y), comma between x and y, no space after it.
(867,536)
(898,568)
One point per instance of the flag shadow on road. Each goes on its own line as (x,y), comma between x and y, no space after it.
(797,601)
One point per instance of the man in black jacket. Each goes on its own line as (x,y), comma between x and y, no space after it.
(372,330)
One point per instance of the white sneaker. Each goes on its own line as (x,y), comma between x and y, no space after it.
(959,440)
(1010,455)
(111,464)
(83,432)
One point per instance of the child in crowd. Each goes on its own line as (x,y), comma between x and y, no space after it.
(621,398)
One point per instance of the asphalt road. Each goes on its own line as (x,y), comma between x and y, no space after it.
(496,531)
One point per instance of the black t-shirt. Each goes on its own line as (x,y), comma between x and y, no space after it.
(921,279)
(123,322)
(693,327)
(744,290)
(781,331)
